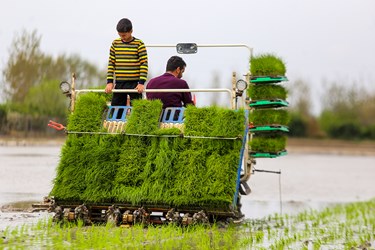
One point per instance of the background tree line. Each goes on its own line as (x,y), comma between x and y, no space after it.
(347,112)
(30,87)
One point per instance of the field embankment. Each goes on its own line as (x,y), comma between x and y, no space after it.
(324,146)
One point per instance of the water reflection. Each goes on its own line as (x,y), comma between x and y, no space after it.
(261,209)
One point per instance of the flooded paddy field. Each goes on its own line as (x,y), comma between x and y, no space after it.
(308,180)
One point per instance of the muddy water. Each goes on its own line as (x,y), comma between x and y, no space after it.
(309,181)
(26,174)
(306,181)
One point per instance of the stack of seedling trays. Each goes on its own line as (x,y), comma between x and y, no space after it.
(268,117)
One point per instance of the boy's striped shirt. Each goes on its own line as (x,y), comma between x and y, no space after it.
(127,61)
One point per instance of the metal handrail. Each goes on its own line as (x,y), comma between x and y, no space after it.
(205,45)
(154,90)
(78,91)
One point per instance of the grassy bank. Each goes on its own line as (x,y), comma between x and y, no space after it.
(350,226)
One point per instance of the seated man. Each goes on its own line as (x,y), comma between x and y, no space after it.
(171,80)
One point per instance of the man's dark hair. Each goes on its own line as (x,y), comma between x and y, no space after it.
(174,62)
(124,25)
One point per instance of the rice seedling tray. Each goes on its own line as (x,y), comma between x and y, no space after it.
(275,128)
(269,116)
(267,92)
(268,154)
(272,103)
(268,79)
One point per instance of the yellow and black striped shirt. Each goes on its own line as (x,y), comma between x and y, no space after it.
(127,61)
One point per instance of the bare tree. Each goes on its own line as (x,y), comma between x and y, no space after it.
(300,97)
(22,70)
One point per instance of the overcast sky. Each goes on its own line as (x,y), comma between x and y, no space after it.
(320,40)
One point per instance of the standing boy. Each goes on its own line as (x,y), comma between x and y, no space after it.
(127,65)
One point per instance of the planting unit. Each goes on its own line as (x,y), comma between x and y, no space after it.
(142,164)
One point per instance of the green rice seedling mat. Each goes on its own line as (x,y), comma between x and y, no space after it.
(277,103)
(269,129)
(267,64)
(141,167)
(269,116)
(267,92)
(267,154)
(268,79)
(268,143)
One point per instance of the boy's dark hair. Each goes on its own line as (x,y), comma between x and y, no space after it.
(124,25)
(174,62)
